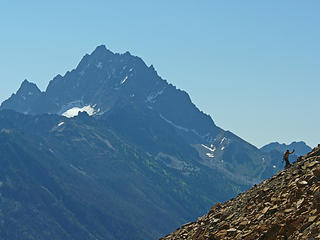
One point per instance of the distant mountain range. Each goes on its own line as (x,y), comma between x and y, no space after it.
(301,148)
(112,151)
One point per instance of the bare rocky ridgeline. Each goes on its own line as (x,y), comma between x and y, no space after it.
(286,206)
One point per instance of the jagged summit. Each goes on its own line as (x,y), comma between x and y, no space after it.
(101,48)
(25,82)
(29,88)
(101,51)
(26,96)
(102,79)
(286,206)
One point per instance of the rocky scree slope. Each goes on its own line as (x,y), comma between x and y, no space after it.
(286,206)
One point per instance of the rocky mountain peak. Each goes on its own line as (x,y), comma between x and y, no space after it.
(101,52)
(101,48)
(104,78)
(28,88)
(25,82)
(286,206)
(25,98)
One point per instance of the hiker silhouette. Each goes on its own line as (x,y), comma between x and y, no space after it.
(286,158)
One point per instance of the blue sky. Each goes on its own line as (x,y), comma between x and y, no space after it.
(254,66)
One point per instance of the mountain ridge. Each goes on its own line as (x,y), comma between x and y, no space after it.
(129,137)
(103,81)
(101,184)
(301,148)
(103,77)
(286,206)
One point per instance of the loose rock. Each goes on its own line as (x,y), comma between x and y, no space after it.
(286,206)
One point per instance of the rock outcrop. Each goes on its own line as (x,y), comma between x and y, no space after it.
(286,206)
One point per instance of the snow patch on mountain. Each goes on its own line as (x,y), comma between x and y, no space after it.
(60,124)
(69,105)
(124,80)
(75,111)
(210,149)
(223,139)
(210,155)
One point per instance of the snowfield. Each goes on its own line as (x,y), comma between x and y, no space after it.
(72,112)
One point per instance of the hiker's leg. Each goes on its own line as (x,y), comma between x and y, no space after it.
(288,164)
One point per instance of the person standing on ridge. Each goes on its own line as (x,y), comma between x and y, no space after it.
(286,158)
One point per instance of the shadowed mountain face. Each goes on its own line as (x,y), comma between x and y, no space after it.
(138,160)
(77,178)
